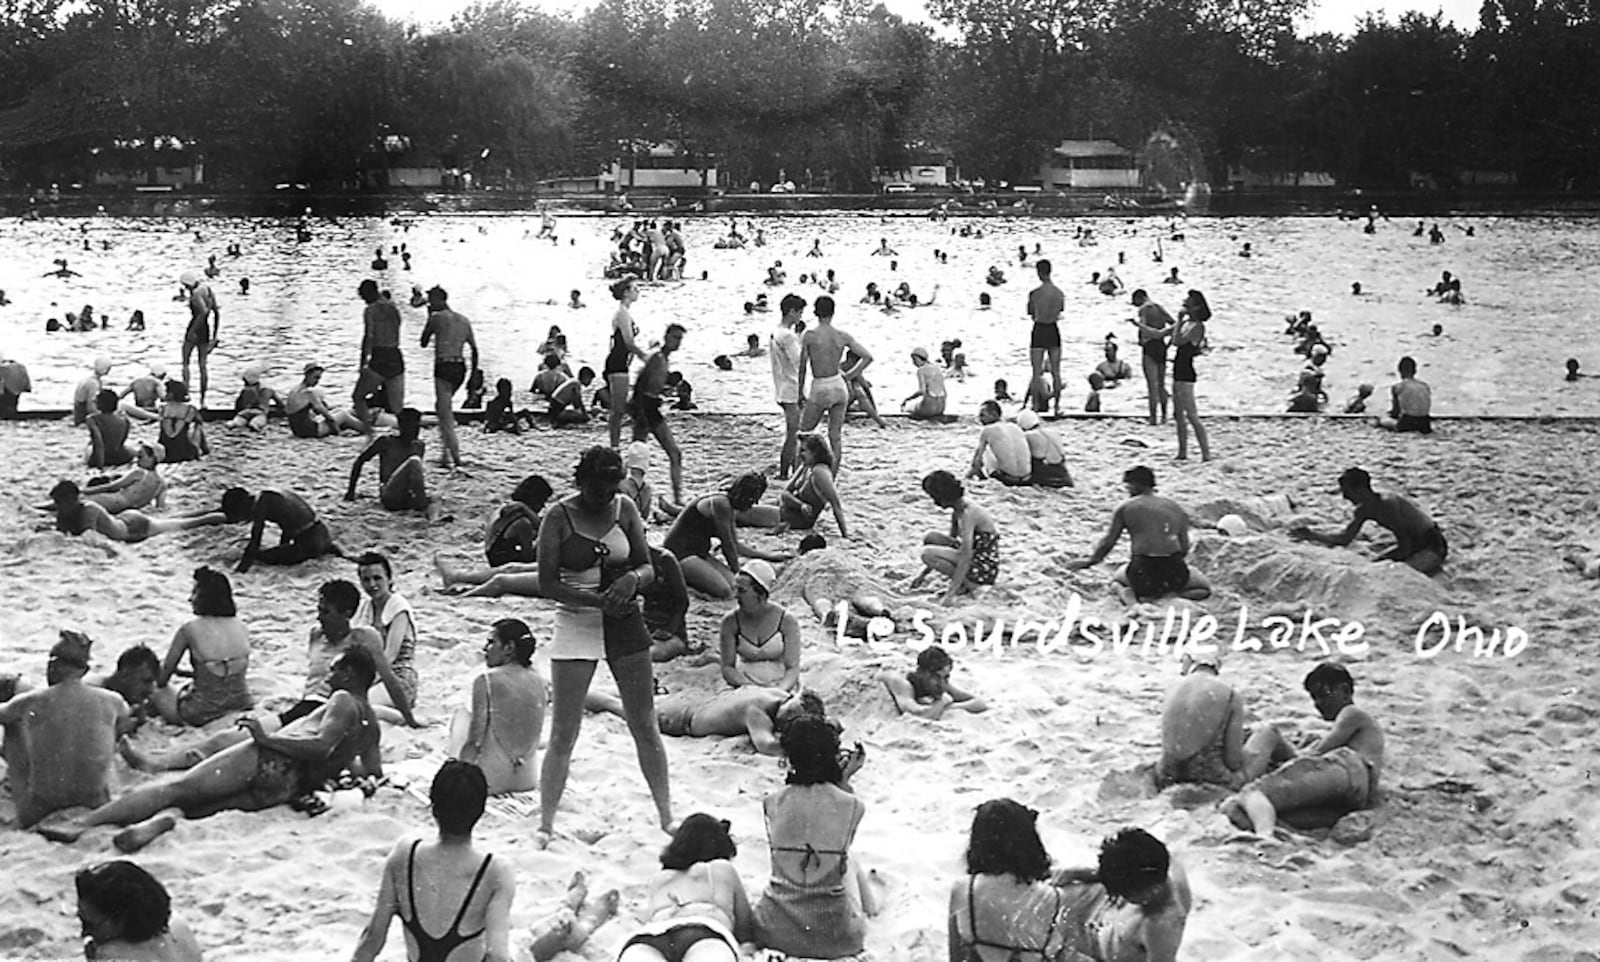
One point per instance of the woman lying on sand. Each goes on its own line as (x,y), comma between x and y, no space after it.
(76,516)
(698,907)
(970,553)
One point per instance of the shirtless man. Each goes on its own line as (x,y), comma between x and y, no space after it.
(821,349)
(309,414)
(405,486)
(784,352)
(59,740)
(927,691)
(758,712)
(1412,402)
(645,406)
(1202,727)
(1340,770)
(449,366)
(205,327)
(1045,304)
(1002,452)
(1159,530)
(381,362)
(138,669)
(303,536)
(1131,908)
(1418,540)
(77,516)
(264,771)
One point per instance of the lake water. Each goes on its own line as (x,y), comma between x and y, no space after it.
(1529,285)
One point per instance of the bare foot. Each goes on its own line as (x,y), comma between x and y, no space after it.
(595,914)
(577,891)
(62,830)
(542,837)
(446,573)
(135,837)
(132,755)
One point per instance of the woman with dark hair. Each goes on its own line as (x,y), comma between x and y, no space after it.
(126,914)
(218,646)
(108,432)
(593,561)
(712,516)
(499,732)
(698,908)
(181,434)
(808,493)
(624,348)
(389,614)
(817,902)
(1188,340)
(510,544)
(760,638)
(1006,908)
(443,880)
(970,553)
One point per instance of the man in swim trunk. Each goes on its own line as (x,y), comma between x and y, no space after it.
(645,407)
(821,349)
(1418,540)
(758,712)
(1202,726)
(254,774)
(1045,304)
(304,536)
(1339,772)
(400,472)
(449,366)
(1159,531)
(1411,406)
(205,327)
(381,362)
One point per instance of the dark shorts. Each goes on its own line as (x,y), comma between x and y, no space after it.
(1411,422)
(303,423)
(646,411)
(1153,577)
(1434,541)
(674,943)
(198,335)
(277,779)
(453,373)
(625,636)
(1045,335)
(1155,350)
(617,362)
(1183,369)
(386,362)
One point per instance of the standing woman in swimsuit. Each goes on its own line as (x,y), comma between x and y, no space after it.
(1005,908)
(593,561)
(218,646)
(429,884)
(500,732)
(181,433)
(970,553)
(1189,338)
(760,638)
(624,348)
(1155,326)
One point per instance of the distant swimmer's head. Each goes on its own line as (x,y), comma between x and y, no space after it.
(1355,287)
(102,366)
(189,278)
(1319,351)
(1407,366)
(1139,479)
(458,796)
(1364,390)
(943,487)
(984,300)
(1572,369)
(699,838)
(1028,420)
(1096,380)
(1111,347)
(1438,329)
(368,290)
(1134,866)
(1005,841)
(722,362)
(746,490)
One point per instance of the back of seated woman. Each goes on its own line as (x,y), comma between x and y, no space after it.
(127,914)
(698,908)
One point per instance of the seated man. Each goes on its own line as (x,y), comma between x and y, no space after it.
(1339,771)
(758,712)
(1159,530)
(1412,404)
(1002,450)
(927,692)
(1418,540)
(1133,905)
(59,739)
(138,670)
(1202,727)
(405,484)
(303,536)
(266,770)
(336,633)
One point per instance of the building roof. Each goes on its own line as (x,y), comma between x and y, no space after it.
(1091,148)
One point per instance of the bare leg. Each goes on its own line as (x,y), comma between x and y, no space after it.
(205,377)
(791,443)
(634,676)
(669,444)
(570,681)
(443,393)
(618,384)
(524,585)
(836,433)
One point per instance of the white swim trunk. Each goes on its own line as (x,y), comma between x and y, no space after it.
(828,391)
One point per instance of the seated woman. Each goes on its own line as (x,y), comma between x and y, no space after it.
(389,614)
(801,502)
(181,434)
(970,553)
(457,882)
(108,427)
(665,603)
(1049,462)
(126,914)
(1132,907)
(499,732)
(760,639)
(218,646)
(510,541)
(140,486)
(698,907)
(712,516)
(817,903)
(77,516)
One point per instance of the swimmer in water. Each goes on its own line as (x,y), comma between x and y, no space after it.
(62,270)
(1572,370)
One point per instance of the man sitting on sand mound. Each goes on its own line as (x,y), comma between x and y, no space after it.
(1339,773)
(1159,530)
(1418,540)
(265,771)
(761,713)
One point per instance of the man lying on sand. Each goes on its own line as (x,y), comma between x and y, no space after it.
(1202,727)
(77,516)
(404,484)
(761,713)
(927,692)
(59,739)
(1418,540)
(303,535)
(267,770)
(1339,772)
(1159,531)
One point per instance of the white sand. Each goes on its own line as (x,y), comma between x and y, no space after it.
(1510,871)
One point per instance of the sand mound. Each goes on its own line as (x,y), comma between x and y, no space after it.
(1332,583)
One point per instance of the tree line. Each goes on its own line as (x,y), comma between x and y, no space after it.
(323,91)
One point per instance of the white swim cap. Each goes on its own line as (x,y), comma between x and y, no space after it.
(102,365)
(1027,420)
(636,455)
(189,278)
(1233,526)
(158,370)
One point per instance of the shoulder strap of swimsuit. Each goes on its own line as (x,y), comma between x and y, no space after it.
(455,927)
(411,880)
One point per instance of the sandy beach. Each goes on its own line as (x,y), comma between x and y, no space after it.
(1486,844)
